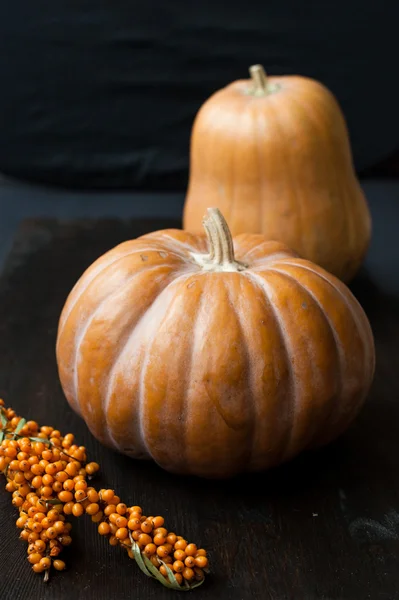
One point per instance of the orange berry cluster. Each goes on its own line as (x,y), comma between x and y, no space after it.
(48,475)
(165,550)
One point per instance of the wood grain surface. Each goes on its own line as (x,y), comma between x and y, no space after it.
(324,527)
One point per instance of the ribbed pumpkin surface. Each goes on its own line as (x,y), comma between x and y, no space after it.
(213,365)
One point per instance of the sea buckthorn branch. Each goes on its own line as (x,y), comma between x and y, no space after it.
(47,474)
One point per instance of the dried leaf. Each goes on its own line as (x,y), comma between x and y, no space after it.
(139,559)
(18,428)
(3,419)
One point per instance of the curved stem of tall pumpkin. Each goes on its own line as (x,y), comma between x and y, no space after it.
(259,79)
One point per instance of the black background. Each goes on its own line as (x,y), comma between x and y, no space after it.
(103,94)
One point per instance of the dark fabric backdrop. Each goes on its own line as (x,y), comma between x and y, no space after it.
(103,93)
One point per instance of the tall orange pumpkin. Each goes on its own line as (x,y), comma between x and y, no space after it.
(213,358)
(274,155)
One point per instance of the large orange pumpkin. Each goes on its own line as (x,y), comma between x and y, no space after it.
(274,155)
(214,357)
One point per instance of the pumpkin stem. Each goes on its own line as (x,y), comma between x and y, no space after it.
(221,249)
(259,79)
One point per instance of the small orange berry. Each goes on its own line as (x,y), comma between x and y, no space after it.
(144,539)
(46,522)
(36,482)
(24,465)
(92,508)
(21,522)
(121,533)
(51,533)
(59,565)
(34,558)
(92,468)
(188,574)
(77,510)
(121,508)
(47,454)
(155,560)
(179,578)
(47,479)
(103,528)
(71,469)
(180,555)
(38,517)
(65,496)
(162,551)
(61,476)
(37,469)
(10,452)
(59,527)
(163,571)
(133,524)
(47,491)
(190,562)
(158,522)
(146,527)
(180,545)
(81,485)
(107,495)
(122,522)
(97,517)
(113,540)
(171,538)
(17,501)
(161,531)
(37,568)
(45,562)
(40,546)
(150,549)
(68,485)
(191,550)
(68,506)
(51,469)
(80,495)
(201,561)
(25,535)
(178,566)
(109,510)
(159,539)
(66,540)
(93,495)
(57,487)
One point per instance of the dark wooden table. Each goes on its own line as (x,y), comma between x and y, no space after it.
(324,527)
